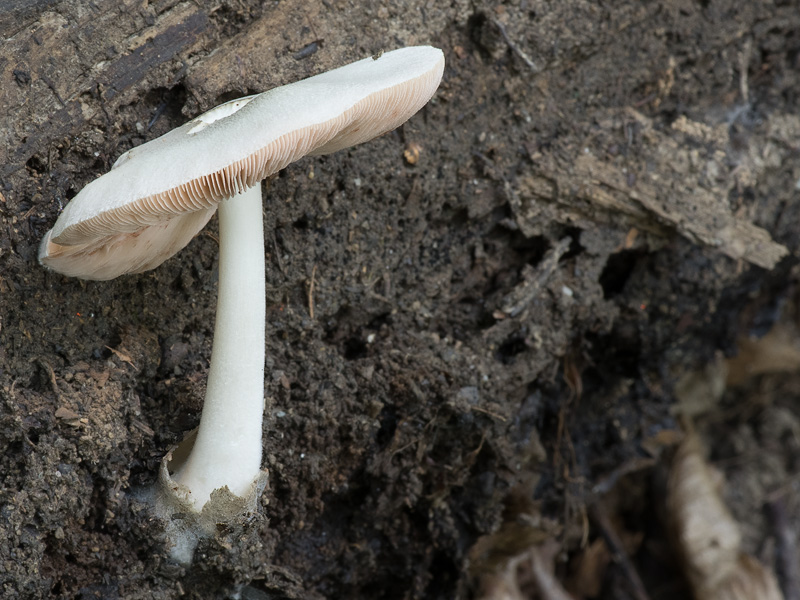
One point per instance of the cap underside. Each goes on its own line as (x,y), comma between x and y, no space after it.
(88,236)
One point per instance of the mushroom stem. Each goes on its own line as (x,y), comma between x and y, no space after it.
(227,451)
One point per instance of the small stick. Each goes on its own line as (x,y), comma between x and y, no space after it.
(311,292)
(514,48)
(787,557)
(611,538)
(51,376)
(488,412)
(208,234)
(541,560)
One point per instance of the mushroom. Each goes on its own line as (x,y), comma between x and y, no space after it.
(157,196)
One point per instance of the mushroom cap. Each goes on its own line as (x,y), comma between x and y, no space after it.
(157,196)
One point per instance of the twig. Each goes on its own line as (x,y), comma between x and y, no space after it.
(541,561)
(278,255)
(490,413)
(633,465)
(535,279)
(611,538)
(787,557)
(51,376)
(311,292)
(744,63)
(208,234)
(514,48)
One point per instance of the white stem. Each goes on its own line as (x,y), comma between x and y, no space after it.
(227,451)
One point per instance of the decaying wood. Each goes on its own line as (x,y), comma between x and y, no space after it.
(69,67)
(254,60)
(675,181)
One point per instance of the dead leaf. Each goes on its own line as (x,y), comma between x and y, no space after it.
(776,352)
(68,416)
(708,538)
(589,570)
(123,357)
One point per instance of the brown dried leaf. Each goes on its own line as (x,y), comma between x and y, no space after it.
(707,536)
(526,576)
(122,356)
(749,581)
(66,414)
(776,352)
(101,377)
(699,391)
(589,570)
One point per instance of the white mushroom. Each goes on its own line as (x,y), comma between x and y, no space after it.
(159,195)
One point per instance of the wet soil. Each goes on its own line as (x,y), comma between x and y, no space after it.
(604,199)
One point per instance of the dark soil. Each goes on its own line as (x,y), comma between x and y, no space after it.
(605,199)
